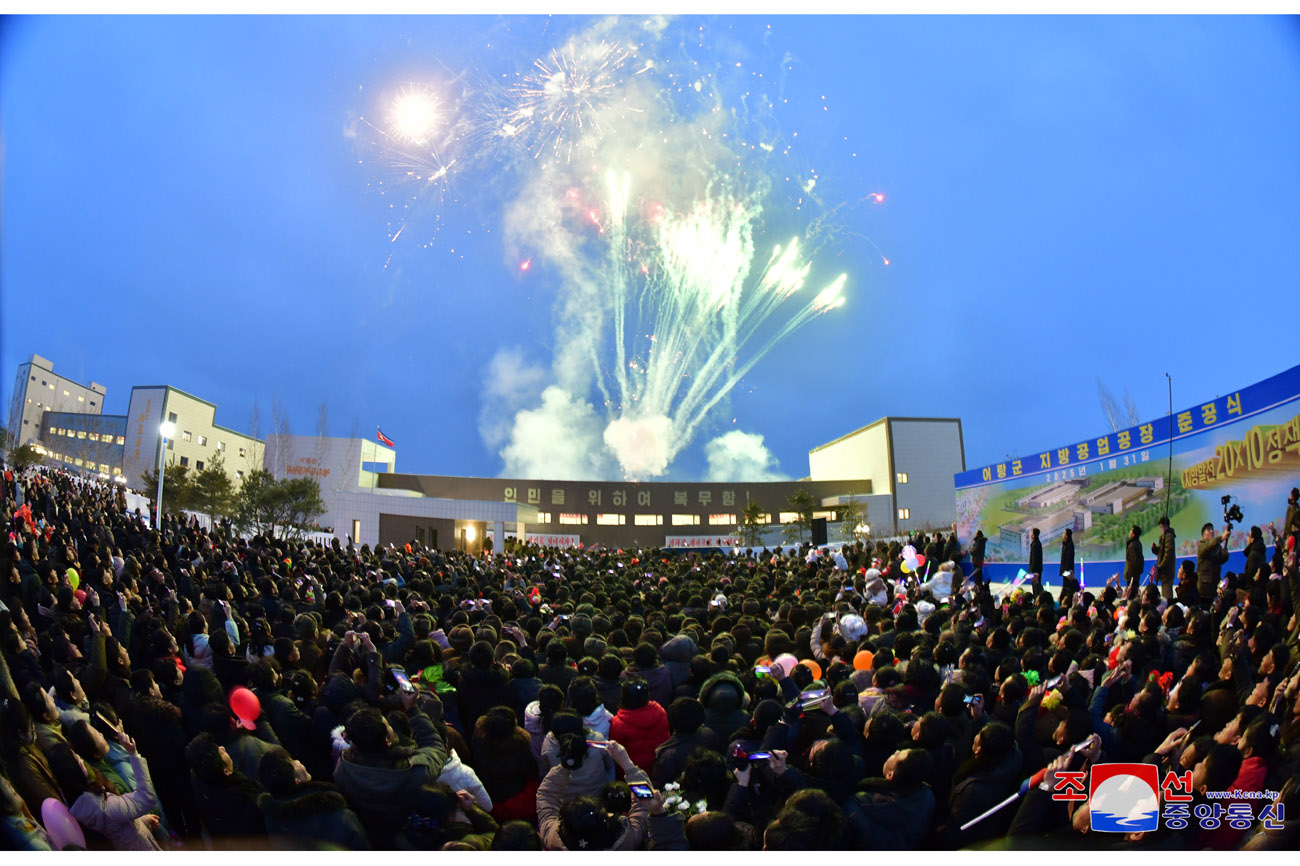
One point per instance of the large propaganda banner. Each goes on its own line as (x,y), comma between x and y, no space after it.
(1245,444)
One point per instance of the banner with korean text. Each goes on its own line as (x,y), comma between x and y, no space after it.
(1245,444)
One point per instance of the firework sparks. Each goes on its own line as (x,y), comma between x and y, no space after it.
(564,102)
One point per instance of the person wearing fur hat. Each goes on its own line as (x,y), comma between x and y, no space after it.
(724,699)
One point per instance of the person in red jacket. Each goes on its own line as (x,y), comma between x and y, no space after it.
(641,724)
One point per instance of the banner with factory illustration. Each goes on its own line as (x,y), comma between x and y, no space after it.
(1245,444)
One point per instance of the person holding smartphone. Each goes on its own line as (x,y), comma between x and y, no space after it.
(583,824)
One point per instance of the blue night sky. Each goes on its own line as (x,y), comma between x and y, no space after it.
(196,200)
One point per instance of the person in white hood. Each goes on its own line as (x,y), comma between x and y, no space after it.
(941,584)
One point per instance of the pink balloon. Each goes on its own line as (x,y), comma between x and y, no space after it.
(786,662)
(62,827)
(246,706)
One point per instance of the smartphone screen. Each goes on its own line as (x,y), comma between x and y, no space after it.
(599,744)
(762,669)
(968,699)
(760,756)
(403,681)
(642,790)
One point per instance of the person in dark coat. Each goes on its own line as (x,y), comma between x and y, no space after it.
(1256,555)
(302,815)
(724,698)
(892,813)
(379,777)
(1036,558)
(1211,554)
(686,724)
(227,798)
(292,727)
(992,773)
(977,545)
(483,685)
(502,756)
(645,664)
(677,655)
(1069,580)
(1166,552)
(557,671)
(1133,560)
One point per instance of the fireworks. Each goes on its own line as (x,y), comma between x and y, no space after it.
(637,189)
(413,116)
(681,327)
(569,99)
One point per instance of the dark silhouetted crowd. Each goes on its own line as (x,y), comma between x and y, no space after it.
(188,689)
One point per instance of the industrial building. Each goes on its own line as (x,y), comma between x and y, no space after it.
(898,471)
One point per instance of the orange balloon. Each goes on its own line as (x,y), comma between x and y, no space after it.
(862,661)
(814,667)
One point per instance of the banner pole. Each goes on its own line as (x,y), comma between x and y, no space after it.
(1169,473)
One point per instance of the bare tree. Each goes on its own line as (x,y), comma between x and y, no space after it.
(1131,407)
(1109,407)
(322,432)
(352,462)
(281,433)
(254,430)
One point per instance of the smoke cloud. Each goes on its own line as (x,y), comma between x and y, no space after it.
(561,438)
(740,456)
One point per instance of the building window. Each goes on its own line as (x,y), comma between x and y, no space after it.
(117,470)
(171,444)
(241,452)
(121,440)
(94,437)
(78,462)
(171,416)
(573,519)
(239,473)
(788,517)
(103,467)
(221,446)
(203,440)
(686,520)
(33,378)
(43,382)
(51,386)
(92,402)
(647,520)
(722,520)
(764,518)
(611,519)
(185,434)
(81,434)
(65,393)
(904,514)
(198,464)
(902,478)
(185,461)
(29,399)
(543,517)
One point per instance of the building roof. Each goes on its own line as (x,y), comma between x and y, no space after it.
(878,422)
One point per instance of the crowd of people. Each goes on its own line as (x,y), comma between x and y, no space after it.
(179,688)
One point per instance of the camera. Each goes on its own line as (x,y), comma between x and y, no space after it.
(1231,513)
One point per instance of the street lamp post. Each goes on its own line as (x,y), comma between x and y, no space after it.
(165,429)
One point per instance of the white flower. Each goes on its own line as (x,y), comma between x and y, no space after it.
(684,805)
(702,807)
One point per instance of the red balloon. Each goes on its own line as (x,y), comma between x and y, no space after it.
(920,560)
(246,706)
